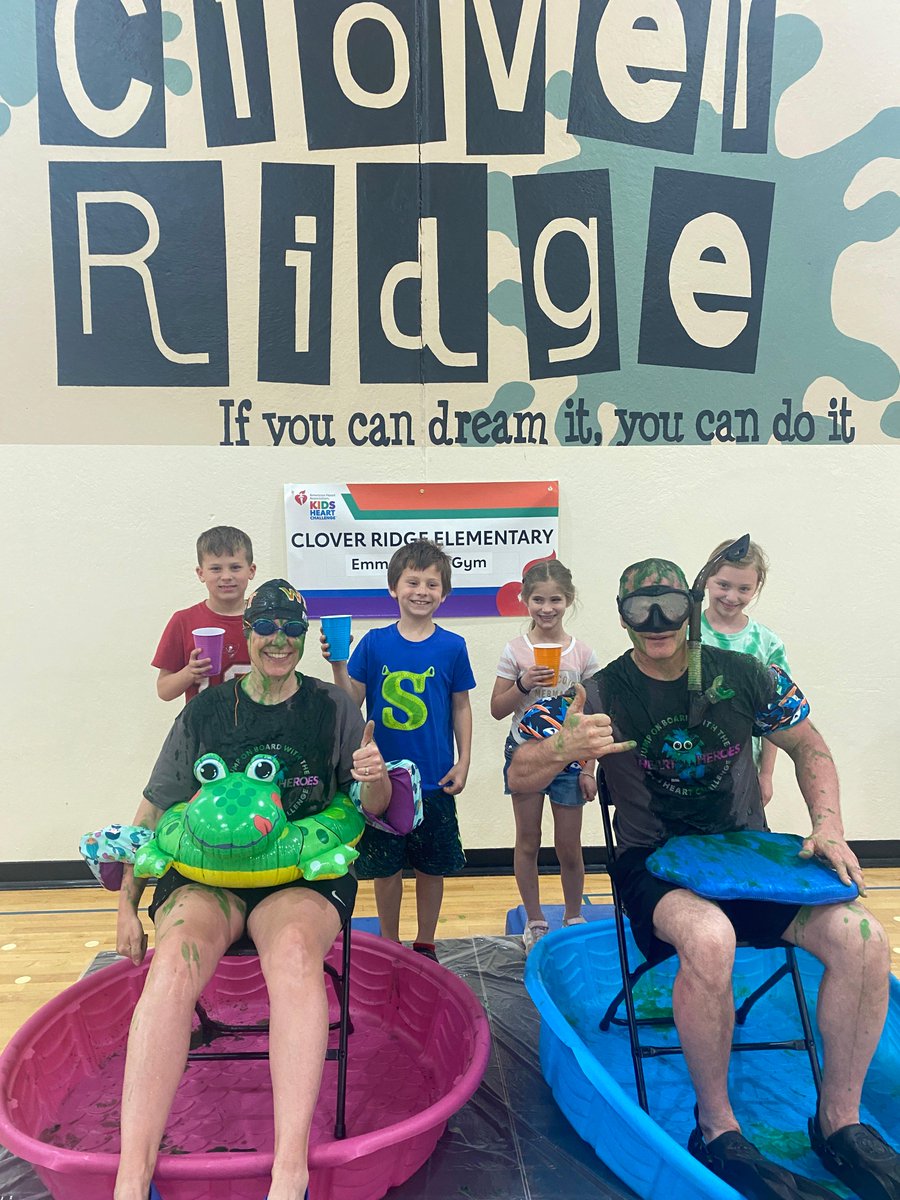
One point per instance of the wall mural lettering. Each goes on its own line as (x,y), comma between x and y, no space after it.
(412,195)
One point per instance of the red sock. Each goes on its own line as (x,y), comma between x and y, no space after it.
(423,946)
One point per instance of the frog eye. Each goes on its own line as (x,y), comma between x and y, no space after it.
(210,768)
(263,768)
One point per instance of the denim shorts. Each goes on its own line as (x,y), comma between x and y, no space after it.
(563,790)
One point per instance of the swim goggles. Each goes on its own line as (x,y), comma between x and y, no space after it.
(266,627)
(656,609)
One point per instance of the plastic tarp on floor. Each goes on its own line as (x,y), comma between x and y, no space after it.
(510,1142)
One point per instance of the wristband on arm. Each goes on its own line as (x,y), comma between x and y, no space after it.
(524,690)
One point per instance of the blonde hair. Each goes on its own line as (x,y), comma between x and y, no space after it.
(755,558)
(548,570)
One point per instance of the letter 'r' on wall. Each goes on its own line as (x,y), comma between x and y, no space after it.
(371,72)
(139,274)
(100,73)
(705,273)
(505,68)
(637,72)
(295,272)
(564,224)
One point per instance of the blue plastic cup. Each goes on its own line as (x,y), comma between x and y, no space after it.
(337,635)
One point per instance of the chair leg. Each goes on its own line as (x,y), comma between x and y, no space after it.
(808,1036)
(340,1128)
(743,1012)
(633,1037)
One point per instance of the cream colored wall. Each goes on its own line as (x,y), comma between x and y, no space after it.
(99,547)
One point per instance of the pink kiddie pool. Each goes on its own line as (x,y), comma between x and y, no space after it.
(418,1051)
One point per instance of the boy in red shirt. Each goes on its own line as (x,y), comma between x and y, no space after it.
(225,567)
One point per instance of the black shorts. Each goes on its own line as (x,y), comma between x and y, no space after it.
(433,847)
(340,892)
(761,923)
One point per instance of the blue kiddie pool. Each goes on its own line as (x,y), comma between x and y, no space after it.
(572,977)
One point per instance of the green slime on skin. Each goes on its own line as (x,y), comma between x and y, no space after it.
(865,930)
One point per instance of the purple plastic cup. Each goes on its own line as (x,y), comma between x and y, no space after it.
(209,642)
(337,635)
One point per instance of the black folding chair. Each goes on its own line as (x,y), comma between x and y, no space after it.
(210,1028)
(640,1050)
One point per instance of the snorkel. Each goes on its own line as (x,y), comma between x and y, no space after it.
(733,553)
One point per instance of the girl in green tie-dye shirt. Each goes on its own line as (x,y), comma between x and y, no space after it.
(725,624)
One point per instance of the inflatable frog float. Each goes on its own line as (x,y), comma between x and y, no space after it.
(233,833)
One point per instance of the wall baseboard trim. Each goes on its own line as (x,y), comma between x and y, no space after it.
(55,873)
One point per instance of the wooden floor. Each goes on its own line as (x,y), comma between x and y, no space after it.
(49,937)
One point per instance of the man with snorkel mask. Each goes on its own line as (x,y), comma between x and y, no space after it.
(673,724)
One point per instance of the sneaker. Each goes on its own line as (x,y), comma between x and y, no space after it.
(427,950)
(860,1157)
(573,921)
(534,931)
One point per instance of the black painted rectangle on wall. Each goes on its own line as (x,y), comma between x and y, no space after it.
(234,72)
(296,258)
(372,74)
(422,319)
(139,273)
(100,73)
(505,66)
(568,269)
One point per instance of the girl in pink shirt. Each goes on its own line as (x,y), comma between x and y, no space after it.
(547,591)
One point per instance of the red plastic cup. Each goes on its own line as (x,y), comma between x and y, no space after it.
(209,642)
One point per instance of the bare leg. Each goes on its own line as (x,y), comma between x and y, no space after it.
(702,1000)
(527,810)
(567,840)
(293,930)
(388,897)
(852,1003)
(429,895)
(194,928)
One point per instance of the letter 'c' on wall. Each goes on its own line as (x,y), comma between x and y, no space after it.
(107,122)
(100,73)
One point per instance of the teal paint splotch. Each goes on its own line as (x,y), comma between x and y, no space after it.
(505,304)
(18,57)
(890,420)
(171,26)
(811,227)
(178,76)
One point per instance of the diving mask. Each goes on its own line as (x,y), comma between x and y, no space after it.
(656,609)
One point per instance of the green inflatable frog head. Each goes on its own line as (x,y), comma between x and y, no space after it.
(234,833)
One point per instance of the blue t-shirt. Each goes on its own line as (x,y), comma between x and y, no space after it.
(409,686)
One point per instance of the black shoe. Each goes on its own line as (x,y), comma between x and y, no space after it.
(859,1157)
(739,1163)
(426,950)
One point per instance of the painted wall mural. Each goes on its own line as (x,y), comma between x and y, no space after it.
(447,222)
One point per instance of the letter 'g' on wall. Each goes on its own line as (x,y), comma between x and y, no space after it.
(139,274)
(100,73)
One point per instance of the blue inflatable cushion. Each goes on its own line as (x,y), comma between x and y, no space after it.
(748,865)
